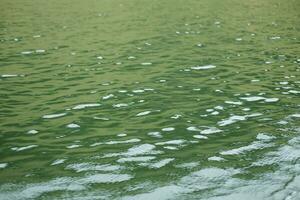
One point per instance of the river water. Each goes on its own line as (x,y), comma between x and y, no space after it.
(140,99)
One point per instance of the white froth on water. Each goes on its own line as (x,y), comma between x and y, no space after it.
(219,107)
(188,165)
(143,149)
(138,91)
(236,118)
(155,134)
(259,98)
(203,67)
(119,105)
(216,158)
(143,113)
(295,115)
(168,129)
(40,51)
(136,159)
(134,140)
(58,161)
(161,163)
(32,132)
(294,92)
(176,116)
(80,167)
(66,184)
(170,147)
(263,142)
(171,142)
(101,118)
(82,106)
(146,63)
(54,115)
(3,165)
(9,75)
(24,148)
(204,179)
(263,136)
(123,141)
(108,96)
(200,137)
(72,125)
(211,130)
(73,146)
(193,128)
(231,120)
(234,102)
(26,52)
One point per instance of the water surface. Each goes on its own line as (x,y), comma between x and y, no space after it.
(136,99)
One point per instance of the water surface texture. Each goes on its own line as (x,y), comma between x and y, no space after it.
(149,99)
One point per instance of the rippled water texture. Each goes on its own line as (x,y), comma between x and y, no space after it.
(149,99)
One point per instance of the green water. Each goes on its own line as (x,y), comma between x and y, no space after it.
(136,99)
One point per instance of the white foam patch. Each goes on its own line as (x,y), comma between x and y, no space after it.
(32,132)
(259,98)
(72,125)
(73,146)
(219,107)
(24,148)
(216,158)
(231,120)
(188,165)
(134,140)
(170,147)
(40,51)
(193,128)
(108,96)
(119,105)
(236,118)
(143,113)
(263,136)
(3,165)
(168,129)
(269,100)
(155,134)
(294,92)
(26,52)
(80,167)
(234,102)
(58,161)
(204,179)
(34,191)
(171,142)
(136,159)
(200,137)
(295,115)
(146,63)
(263,142)
(138,91)
(143,149)
(176,116)
(211,130)
(82,106)
(203,67)
(222,184)
(9,75)
(54,115)
(161,163)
